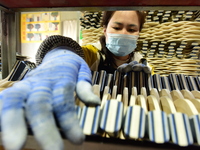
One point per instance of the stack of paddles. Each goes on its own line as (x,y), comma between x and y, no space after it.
(173,49)
(91,27)
(20,69)
(91,35)
(164,66)
(161,114)
(175,16)
(171,31)
(172,57)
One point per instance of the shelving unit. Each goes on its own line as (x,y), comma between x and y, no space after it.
(10,17)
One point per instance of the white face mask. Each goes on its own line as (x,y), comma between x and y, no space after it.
(121,44)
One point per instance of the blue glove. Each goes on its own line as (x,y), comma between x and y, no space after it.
(134,66)
(46,94)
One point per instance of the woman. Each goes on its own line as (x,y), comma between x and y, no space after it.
(123,25)
(121,31)
(45,97)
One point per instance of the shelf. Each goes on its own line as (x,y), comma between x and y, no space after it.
(80,4)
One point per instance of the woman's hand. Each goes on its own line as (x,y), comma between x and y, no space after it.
(134,66)
(46,96)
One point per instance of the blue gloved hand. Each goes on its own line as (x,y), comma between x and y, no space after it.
(46,94)
(134,66)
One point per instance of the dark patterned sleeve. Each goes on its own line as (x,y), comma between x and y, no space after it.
(55,41)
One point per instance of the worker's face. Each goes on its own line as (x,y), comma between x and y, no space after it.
(123,22)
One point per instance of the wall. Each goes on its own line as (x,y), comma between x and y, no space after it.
(30,49)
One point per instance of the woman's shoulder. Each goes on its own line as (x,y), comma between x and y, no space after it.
(90,47)
(91,53)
